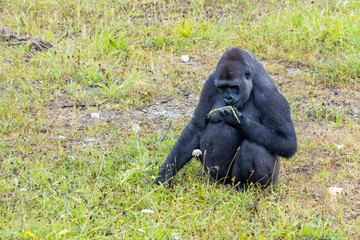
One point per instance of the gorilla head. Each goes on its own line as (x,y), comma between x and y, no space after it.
(233,77)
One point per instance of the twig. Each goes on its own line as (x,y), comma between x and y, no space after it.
(248,180)
(232,161)
(14,43)
(78,105)
(203,165)
(272,174)
(162,132)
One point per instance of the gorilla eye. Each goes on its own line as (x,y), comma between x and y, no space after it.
(247,75)
(222,89)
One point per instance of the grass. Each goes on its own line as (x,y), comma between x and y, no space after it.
(66,175)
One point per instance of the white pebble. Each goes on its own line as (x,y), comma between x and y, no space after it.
(61,137)
(335,190)
(147,211)
(23,189)
(95,115)
(185,58)
(136,127)
(339,146)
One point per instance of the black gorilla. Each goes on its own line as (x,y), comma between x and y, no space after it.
(243,148)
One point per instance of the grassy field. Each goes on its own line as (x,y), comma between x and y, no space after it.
(88,172)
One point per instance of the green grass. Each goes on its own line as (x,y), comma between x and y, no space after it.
(66,175)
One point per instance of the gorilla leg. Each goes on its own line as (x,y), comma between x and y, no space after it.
(254,164)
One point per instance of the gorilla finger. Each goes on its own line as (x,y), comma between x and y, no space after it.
(221,112)
(238,113)
(228,111)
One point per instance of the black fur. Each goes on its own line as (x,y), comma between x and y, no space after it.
(264,133)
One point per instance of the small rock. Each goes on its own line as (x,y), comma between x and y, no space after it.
(165,100)
(293,71)
(185,58)
(95,115)
(38,44)
(147,211)
(335,190)
(23,189)
(61,137)
(136,128)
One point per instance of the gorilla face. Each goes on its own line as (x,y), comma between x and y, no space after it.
(235,85)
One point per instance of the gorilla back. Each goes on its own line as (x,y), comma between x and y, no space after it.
(248,131)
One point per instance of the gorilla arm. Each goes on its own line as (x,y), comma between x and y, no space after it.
(190,136)
(180,154)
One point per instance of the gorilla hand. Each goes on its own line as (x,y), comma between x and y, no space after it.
(231,116)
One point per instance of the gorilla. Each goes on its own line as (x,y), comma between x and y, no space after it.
(248,128)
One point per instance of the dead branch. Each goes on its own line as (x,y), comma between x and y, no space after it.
(78,105)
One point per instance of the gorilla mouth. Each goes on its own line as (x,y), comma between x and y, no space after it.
(229,101)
